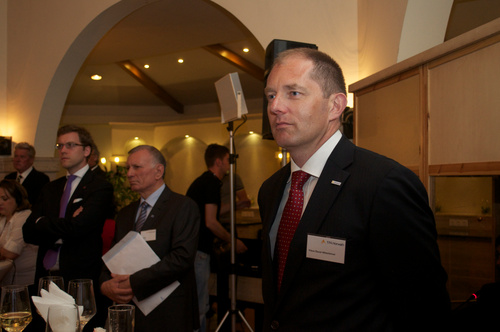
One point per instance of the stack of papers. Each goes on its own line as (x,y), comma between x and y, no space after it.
(131,254)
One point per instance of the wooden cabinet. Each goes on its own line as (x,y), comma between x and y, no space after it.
(438,113)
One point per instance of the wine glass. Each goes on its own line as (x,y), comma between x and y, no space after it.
(15,309)
(44,283)
(82,291)
(63,318)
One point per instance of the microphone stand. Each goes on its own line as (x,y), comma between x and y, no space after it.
(232,274)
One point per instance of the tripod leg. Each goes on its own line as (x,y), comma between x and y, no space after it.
(245,321)
(222,321)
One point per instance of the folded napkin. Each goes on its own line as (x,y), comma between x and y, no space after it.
(54,297)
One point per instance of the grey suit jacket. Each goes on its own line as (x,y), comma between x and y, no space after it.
(176,221)
(392,278)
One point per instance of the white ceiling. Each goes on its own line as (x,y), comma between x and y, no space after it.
(158,35)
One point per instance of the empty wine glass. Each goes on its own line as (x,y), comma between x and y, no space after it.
(63,318)
(82,291)
(15,309)
(44,283)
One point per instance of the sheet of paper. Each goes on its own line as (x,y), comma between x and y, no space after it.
(133,254)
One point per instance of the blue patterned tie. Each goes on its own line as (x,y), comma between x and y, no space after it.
(142,216)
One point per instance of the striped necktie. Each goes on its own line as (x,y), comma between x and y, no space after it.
(142,216)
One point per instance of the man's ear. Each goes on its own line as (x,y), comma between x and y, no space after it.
(87,150)
(337,103)
(160,169)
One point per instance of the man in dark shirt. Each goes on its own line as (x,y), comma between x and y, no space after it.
(205,191)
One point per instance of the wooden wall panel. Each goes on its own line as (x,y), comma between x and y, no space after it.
(464,108)
(391,127)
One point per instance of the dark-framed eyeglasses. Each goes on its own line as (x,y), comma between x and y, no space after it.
(68,145)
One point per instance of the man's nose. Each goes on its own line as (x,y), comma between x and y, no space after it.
(275,105)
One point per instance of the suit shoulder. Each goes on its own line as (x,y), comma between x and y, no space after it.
(11,176)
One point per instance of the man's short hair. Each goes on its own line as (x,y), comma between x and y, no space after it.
(83,134)
(158,157)
(214,152)
(28,147)
(326,72)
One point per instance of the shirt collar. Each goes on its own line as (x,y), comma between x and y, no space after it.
(25,173)
(81,172)
(151,200)
(315,164)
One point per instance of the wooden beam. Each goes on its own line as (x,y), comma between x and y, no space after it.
(236,60)
(151,85)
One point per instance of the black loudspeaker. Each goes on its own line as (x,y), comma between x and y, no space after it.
(273,49)
(5,145)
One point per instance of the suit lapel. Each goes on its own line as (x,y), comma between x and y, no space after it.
(329,185)
(78,193)
(158,210)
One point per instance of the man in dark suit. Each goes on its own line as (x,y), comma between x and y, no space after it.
(69,238)
(363,256)
(94,161)
(31,179)
(169,222)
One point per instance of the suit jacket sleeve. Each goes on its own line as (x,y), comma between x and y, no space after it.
(403,242)
(177,253)
(44,226)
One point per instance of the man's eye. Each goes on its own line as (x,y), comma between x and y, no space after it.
(295,93)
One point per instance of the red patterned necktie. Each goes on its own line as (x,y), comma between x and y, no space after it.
(290,219)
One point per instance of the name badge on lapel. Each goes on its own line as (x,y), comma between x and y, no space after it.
(326,248)
(149,235)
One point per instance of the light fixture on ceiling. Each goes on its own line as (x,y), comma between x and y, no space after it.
(246,50)
(146,66)
(180,60)
(187,136)
(96,77)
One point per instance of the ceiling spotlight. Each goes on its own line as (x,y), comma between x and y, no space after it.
(187,136)
(246,50)
(96,77)
(250,132)
(146,66)
(180,60)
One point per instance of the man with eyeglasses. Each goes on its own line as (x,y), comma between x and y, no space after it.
(68,217)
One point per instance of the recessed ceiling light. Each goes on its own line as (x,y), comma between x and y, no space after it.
(187,136)
(246,50)
(96,77)
(146,66)
(180,60)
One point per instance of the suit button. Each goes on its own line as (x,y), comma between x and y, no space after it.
(275,325)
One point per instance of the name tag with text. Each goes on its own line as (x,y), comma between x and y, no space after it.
(326,248)
(149,235)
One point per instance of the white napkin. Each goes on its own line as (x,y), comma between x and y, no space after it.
(55,296)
